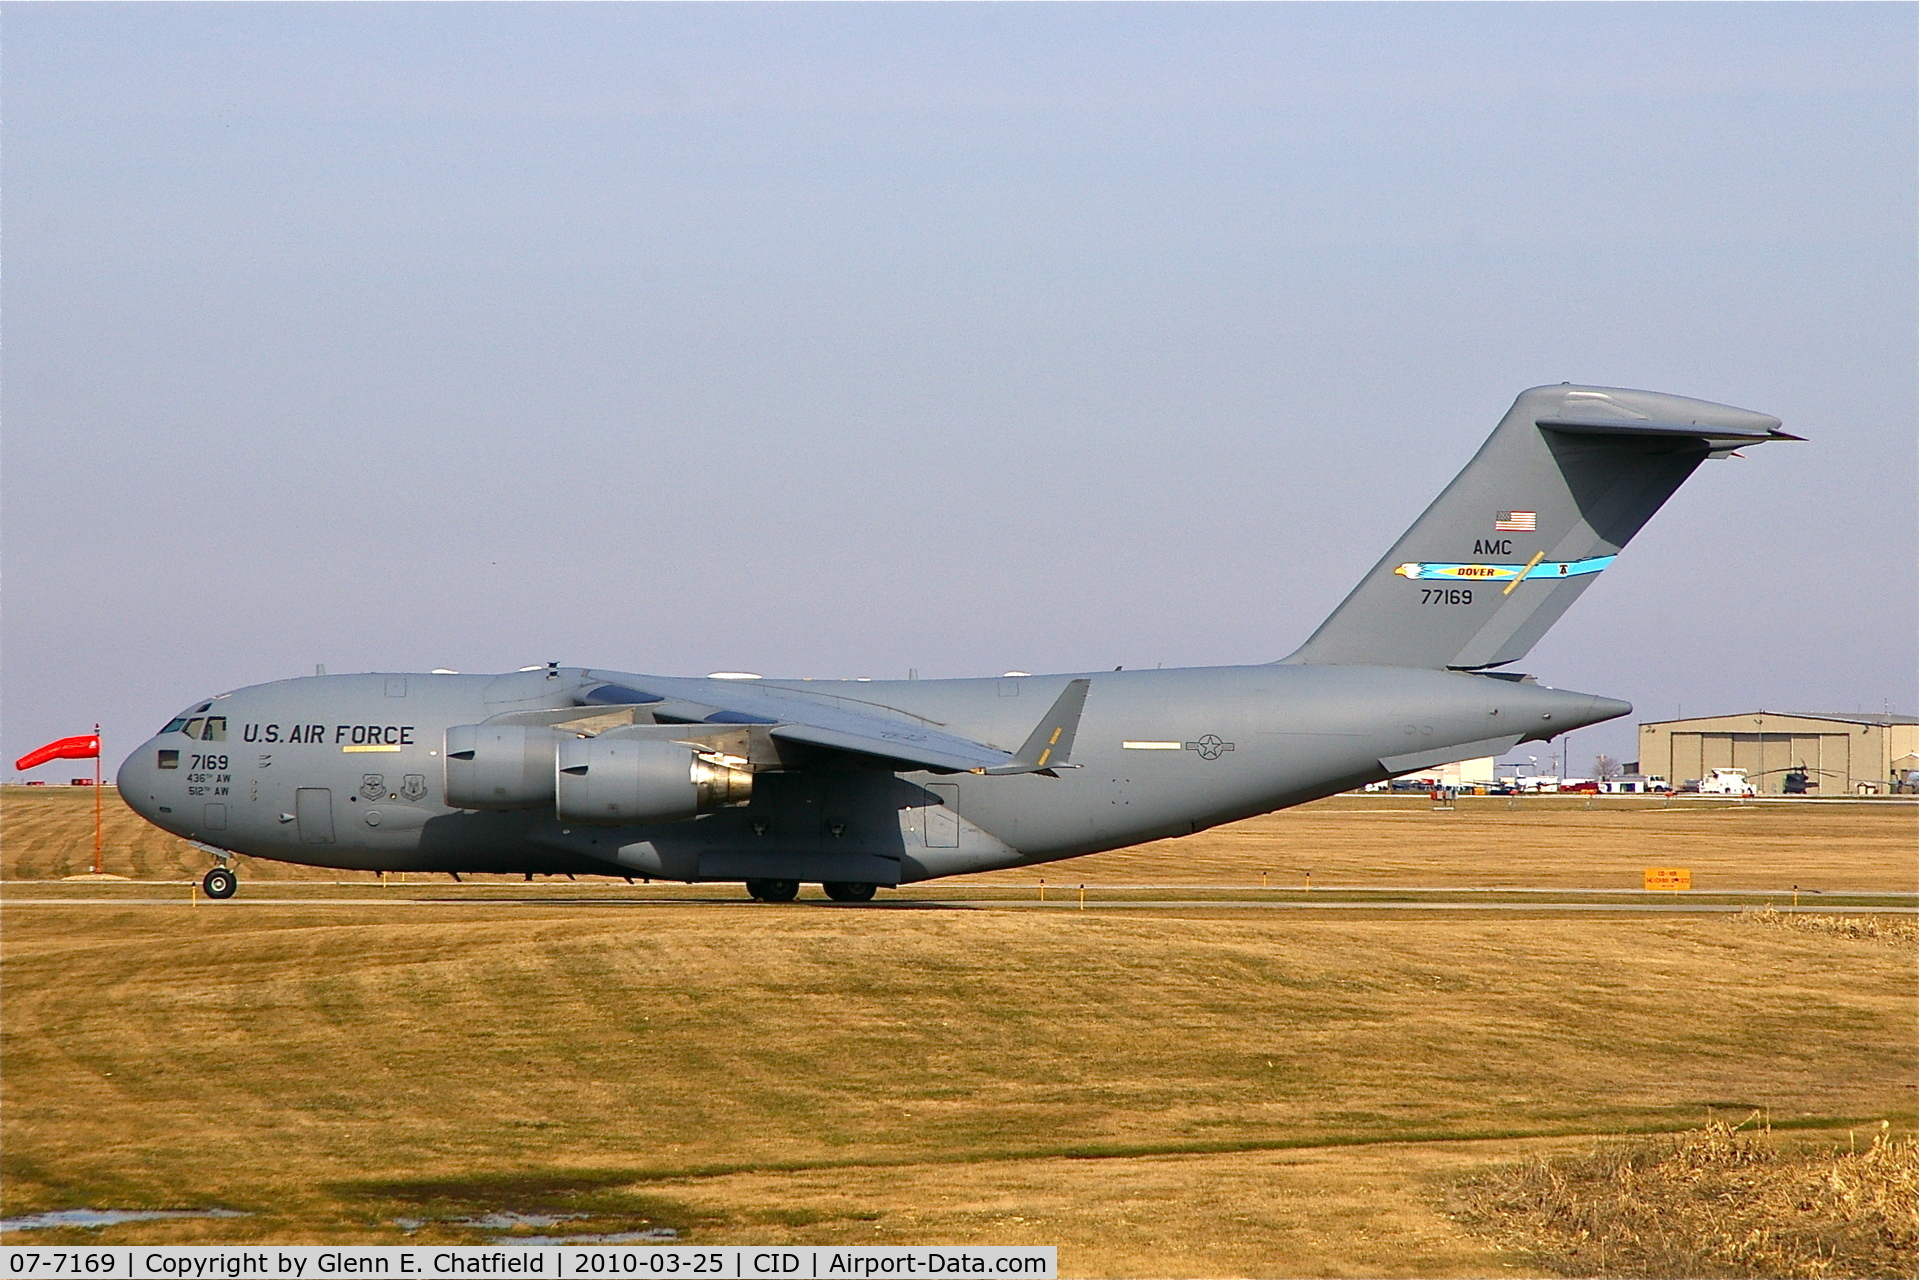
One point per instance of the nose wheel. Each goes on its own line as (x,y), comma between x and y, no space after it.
(220,883)
(773,890)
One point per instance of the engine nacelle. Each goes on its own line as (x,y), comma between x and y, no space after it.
(611,779)
(500,766)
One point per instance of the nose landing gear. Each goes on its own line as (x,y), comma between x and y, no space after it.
(220,883)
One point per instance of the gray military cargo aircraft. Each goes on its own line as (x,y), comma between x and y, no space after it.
(858,785)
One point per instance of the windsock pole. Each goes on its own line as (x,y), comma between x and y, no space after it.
(98,867)
(75,749)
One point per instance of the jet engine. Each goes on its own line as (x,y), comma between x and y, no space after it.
(612,779)
(500,766)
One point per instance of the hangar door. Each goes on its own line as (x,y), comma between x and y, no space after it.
(1766,757)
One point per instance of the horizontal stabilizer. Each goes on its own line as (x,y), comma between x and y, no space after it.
(1756,433)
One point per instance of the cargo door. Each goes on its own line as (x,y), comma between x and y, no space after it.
(313,807)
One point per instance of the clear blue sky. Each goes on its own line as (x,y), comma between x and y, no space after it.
(839,340)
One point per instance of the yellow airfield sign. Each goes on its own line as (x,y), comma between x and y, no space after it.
(1672,878)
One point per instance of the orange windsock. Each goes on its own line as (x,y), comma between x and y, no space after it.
(84,747)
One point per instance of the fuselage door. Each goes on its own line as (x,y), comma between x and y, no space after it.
(313,806)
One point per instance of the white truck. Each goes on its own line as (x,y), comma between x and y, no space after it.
(1727,782)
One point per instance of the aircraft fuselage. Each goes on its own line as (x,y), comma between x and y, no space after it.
(350,771)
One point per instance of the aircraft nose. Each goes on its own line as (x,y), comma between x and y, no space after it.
(135,781)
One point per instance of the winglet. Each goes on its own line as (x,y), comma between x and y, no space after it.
(1050,744)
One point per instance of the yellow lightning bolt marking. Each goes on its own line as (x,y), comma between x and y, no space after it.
(1537,557)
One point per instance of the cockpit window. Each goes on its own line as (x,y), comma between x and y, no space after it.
(192,729)
(215,729)
(174,726)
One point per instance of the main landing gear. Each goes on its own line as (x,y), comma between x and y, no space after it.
(787,890)
(220,883)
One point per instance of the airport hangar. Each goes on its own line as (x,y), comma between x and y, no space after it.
(1845,754)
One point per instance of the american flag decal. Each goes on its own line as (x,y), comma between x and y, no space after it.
(1516,522)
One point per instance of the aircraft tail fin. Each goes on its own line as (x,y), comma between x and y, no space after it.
(1566,479)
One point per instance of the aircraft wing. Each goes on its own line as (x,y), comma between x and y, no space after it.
(826,721)
(876,738)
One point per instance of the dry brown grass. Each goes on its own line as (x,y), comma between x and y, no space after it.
(1159,1093)
(1711,1202)
(1557,841)
(1902,931)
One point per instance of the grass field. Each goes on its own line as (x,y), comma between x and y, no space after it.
(1157,1092)
(1719,1200)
